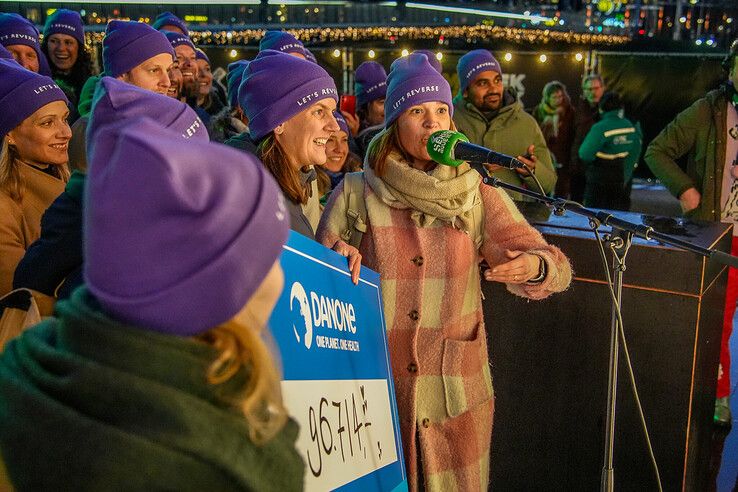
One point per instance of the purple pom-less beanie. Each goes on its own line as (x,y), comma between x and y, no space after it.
(281,41)
(177,39)
(234,79)
(435,62)
(63,21)
(341,122)
(201,55)
(413,80)
(169,19)
(178,235)
(277,86)
(370,83)
(127,44)
(115,102)
(16,29)
(22,93)
(472,64)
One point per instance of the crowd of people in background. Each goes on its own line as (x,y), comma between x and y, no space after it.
(144,208)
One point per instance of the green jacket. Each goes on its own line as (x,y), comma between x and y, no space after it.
(89,403)
(698,132)
(612,138)
(510,132)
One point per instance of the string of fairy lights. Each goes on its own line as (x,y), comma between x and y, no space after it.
(470,34)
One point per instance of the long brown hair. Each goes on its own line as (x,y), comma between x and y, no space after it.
(240,347)
(384,144)
(11,181)
(276,161)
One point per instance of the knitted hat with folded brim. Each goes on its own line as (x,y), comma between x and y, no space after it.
(281,41)
(432,59)
(472,64)
(169,19)
(277,86)
(178,234)
(115,102)
(370,82)
(22,93)
(128,44)
(234,79)
(413,80)
(63,21)
(177,39)
(17,30)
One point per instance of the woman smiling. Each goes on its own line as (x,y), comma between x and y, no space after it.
(33,159)
(427,226)
(289,103)
(64,47)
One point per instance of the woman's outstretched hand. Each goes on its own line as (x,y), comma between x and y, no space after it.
(354,258)
(521,268)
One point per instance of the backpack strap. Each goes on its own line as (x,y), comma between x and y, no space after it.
(356,216)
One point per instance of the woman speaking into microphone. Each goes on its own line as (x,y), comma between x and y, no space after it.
(424,230)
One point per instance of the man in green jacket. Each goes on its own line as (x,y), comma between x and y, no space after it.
(610,152)
(492,117)
(707,133)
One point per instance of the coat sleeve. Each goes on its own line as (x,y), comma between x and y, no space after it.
(57,252)
(591,144)
(506,228)
(333,220)
(12,245)
(673,142)
(544,171)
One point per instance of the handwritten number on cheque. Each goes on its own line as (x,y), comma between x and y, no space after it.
(348,420)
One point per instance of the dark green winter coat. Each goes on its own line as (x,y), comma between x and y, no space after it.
(88,403)
(698,132)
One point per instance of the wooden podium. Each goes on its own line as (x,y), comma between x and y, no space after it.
(550,365)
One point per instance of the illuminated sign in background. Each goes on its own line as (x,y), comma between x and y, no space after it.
(337,378)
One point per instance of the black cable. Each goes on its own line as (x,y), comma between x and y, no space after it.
(530,173)
(621,333)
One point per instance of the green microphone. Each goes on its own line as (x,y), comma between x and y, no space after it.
(441,145)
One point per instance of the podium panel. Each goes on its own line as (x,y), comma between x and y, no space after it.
(550,366)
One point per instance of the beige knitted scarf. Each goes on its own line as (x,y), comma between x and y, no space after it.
(446,193)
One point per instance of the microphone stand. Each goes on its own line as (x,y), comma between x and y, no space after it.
(620,239)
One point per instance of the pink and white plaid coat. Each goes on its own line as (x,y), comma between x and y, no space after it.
(437,341)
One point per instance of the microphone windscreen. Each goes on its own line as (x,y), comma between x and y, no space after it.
(441,144)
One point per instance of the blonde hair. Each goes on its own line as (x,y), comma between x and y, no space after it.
(11,181)
(238,347)
(384,144)
(276,161)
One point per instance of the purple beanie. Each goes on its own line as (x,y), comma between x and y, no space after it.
(16,29)
(342,122)
(115,102)
(474,62)
(200,55)
(234,79)
(63,21)
(169,19)
(413,80)
(177,39)
(435,62)
(128,44)
(370,83)
(277,86)
(281,41)
(178,234)
(22,93)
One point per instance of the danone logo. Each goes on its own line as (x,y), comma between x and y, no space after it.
(319,313)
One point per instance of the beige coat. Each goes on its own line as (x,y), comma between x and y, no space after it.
(20,222)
